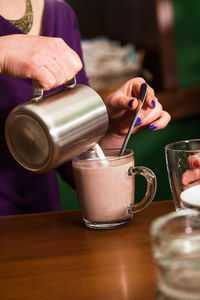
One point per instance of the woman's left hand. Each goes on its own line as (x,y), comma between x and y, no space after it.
(122,104)
(191,176)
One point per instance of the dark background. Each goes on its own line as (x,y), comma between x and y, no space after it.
(169,32)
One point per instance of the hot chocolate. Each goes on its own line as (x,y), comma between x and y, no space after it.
(105,191)
(106,188)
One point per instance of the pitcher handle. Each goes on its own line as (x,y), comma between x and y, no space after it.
(151,187)
(38,90)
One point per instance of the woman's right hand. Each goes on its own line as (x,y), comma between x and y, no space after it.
(49,60)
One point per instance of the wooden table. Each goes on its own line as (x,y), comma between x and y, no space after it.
(53,256)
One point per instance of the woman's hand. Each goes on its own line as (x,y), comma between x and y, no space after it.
(48,60)
(191,177)
(122,103)
(121,106)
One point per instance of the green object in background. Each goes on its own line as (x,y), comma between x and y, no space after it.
(68,196)
(149,151)
(187,39)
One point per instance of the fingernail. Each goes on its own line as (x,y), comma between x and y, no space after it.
(153,103)
(196,164)
(138,121)
(130,103)
(152,127)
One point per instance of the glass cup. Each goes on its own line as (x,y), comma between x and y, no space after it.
(183,165)
(176,250)
(106,188)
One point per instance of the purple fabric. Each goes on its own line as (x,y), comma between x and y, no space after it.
(20,190)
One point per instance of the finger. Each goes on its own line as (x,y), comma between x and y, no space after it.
(119,102)
(75,59)
(130,103)
(57,72)
(190,176)
(136,86)
(149,115)
(194,161)
(43,76)
(49,67)
(70,61)
(185,187)
(161,122)
(151,101)
(63,62)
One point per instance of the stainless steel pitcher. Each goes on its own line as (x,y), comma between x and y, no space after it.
(47,131)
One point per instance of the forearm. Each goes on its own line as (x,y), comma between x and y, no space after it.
(112,140)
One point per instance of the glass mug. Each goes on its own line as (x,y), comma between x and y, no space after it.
(183,165)
(176,248)
(106,187)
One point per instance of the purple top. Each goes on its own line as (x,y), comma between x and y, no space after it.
(20,190)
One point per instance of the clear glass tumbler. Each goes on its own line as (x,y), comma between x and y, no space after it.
(183,165)
(176,250)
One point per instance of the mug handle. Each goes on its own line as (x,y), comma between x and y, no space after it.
(151,187)
(38,90)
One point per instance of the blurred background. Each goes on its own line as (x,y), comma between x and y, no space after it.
(160,41)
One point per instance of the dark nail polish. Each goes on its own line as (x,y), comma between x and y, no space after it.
(138,121)
(196,164)
(130,103)
(152,127)
(153,103)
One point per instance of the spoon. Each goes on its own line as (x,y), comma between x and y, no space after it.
(143,92)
